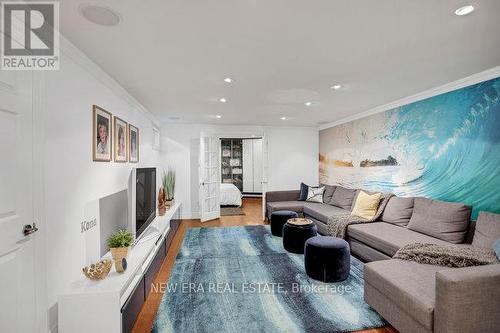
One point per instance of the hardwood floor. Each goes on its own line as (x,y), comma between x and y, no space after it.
(253,216)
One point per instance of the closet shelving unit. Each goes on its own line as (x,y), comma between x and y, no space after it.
(232,162)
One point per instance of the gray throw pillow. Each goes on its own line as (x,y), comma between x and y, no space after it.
(448,221)
(487,230)
(327,194)
(398,211)
(343,197)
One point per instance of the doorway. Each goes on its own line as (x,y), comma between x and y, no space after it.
(22,247)
(241,170)
(231,167)
(241,165)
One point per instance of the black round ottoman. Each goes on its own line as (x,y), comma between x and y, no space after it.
(327,259)
(295,235)
(278,220)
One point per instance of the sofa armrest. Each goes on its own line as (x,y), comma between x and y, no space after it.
(468,299)
(273,196)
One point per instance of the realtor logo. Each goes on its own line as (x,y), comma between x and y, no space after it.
(30,38)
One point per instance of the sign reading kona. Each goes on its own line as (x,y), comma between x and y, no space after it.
(30,38)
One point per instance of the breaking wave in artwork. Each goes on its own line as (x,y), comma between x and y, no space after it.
(448,148)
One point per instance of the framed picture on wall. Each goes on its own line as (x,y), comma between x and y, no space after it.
(133,135)
(101,134)
(120,139)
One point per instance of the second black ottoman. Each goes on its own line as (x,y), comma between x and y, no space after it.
(327,259)
(278,220)
(296,232)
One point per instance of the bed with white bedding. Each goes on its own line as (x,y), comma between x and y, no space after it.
(230,195)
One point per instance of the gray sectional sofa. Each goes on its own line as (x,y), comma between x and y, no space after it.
(413,297)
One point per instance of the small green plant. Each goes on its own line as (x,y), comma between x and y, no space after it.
(120,238)
(168,181)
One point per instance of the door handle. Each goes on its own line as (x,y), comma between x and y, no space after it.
(29,229)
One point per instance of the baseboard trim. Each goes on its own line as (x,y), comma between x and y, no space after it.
(190,216)
(252,195)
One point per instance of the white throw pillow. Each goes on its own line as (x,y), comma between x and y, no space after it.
(315,194)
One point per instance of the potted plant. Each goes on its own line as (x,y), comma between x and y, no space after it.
(169,186)
(119,243)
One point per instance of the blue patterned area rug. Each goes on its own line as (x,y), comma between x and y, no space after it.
(241,279)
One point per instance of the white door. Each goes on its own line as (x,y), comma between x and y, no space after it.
(265,173)
(18,304)
(257,165)
(209,178)
(248,186)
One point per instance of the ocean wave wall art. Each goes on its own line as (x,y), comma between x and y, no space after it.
(446,147)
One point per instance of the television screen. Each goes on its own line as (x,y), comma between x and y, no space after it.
(145,194)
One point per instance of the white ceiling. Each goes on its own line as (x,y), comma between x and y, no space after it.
(172,55)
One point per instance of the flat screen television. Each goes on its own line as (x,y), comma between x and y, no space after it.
(145,198)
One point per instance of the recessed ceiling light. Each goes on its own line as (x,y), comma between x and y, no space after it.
(465,10)
(228,80)
(222,100)
(336,86)
(283,118)
(100,15)
(308,103)
(218,116)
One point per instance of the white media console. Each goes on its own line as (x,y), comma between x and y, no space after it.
(112,305)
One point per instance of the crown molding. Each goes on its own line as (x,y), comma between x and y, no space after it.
(461,83)
(69,50)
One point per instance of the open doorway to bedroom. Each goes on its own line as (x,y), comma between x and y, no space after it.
(241,172)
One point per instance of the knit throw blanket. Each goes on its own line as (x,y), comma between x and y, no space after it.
(447,255)
(337,224)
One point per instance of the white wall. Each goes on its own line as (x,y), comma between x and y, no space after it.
(293,156)
(71,178)
(293,153)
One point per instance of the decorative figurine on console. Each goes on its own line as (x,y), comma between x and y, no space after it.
(98,271)
(166,193)
(162,202)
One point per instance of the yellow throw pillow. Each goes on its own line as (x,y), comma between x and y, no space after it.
(366,205)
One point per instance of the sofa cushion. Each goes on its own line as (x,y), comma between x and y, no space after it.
(327,195)
(295,206)
(398,211)
(366,205)
(409,285)
(448,221)
(321,212)
(386,237)
(343,197)
(365,252)
(487,230)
